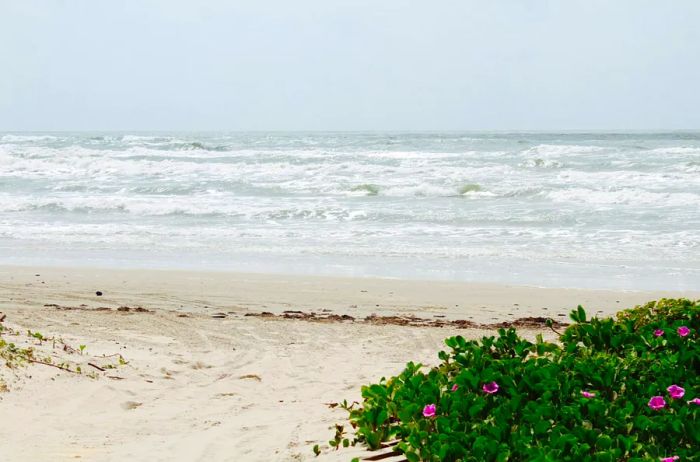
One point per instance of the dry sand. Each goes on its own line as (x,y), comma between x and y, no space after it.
(229,387)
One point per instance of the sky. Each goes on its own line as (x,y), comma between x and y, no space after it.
(349,65)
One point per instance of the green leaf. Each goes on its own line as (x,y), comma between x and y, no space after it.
(604,442)
(539,414)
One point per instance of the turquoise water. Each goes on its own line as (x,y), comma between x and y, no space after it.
(618,210)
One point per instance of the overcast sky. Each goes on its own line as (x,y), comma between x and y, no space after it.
(349,64)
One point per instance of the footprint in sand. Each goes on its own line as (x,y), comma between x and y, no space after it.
(129,405)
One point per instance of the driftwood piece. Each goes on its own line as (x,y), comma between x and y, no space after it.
(97,367)
(57,366)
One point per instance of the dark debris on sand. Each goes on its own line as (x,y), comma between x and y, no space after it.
(530,321)
(122,309)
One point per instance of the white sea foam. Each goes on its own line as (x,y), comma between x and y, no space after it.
(629,196)
(541,163)
(683,150)
(560,150)
(24,138)
(453,197)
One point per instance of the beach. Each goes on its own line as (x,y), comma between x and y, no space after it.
(349,231)
(233,366)
(221,292)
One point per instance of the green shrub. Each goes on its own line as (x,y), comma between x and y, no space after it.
(586,398)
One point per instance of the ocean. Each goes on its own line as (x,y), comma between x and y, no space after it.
(590,210)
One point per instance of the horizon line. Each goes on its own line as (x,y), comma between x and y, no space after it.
(466,130)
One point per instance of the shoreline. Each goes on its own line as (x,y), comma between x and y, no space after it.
(212,291)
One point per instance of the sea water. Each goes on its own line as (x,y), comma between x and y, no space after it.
(606,210)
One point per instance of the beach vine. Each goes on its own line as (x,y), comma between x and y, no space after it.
(622,389)
(18,350)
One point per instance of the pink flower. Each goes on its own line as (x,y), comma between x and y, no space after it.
(683,331)
(455,387)
(588,394)
(658,332)
(695,401)
(429,410)
(675,391)
(669,459)
(657,402)
(490,388)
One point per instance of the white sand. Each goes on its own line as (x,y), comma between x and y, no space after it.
(238,388)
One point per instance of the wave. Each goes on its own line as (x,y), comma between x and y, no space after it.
(541,163)
(422,190)
(631,196)
(182,200)
(655,180)
(141,138)
(412,155)
(365,189)
(690,167)
(469,188)
(556,150)
(532,197)
(683,150)
(199,146)
(413,240)
(26,138)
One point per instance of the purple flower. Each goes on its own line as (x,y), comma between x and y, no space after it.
(455,387)
(657,402)
(587,394)
(695,401)
(490,388)
(669,459)
(683,331)
(429,410)
(658,332)
(675,391)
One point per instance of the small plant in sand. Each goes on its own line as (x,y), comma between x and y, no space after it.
(11,354)
(624,389)
(18,351)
